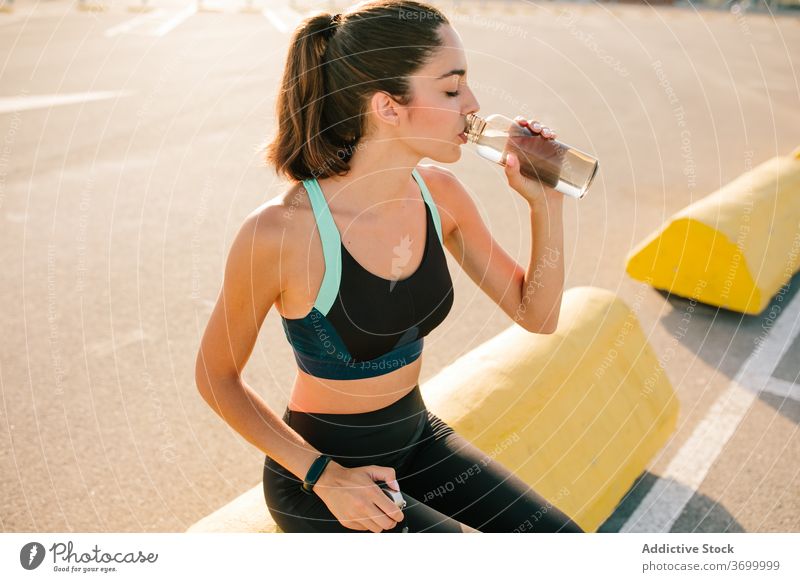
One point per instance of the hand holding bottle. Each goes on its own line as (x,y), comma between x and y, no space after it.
(356,500)
(531,140)
(540,158)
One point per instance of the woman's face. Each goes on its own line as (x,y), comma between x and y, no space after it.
(441,99)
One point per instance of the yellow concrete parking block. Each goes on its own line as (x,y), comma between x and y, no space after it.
(577,414)
(92,6)
(141,8)
(247,513)
(734,248)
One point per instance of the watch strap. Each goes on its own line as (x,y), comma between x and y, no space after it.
(314,473)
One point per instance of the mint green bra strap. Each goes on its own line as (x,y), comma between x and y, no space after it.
(331,247)
(429,200)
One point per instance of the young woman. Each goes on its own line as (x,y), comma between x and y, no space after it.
(352,257)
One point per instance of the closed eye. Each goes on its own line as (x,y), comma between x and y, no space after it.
(453,93)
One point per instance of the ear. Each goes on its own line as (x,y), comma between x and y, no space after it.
(385,108)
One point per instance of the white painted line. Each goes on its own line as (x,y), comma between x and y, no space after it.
(9,104)
(668,497)
(156,23)
(134,22)
(175,20)
(283,18)
(783,388)
(209,6)
(16,217)
(120,341)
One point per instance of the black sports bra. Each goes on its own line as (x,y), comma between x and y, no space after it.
(362,325)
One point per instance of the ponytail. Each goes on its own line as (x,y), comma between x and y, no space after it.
(297,147)
(332,68)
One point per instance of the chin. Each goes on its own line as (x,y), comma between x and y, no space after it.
(446,156)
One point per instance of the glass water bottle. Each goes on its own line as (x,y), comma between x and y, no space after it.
(557,165)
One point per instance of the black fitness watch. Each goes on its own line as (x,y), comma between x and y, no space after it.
(314,472)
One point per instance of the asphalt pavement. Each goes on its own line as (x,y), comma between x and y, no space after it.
(128,160)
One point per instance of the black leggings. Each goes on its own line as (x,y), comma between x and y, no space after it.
(445,480)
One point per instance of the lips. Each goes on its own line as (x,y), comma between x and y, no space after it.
(463,137)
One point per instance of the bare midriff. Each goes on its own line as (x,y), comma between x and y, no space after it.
(325,396)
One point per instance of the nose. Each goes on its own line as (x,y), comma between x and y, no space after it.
(472,104)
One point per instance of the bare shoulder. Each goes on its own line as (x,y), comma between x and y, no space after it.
(444,185)
(253,282)
(448,193)
(273,229)
(280,217)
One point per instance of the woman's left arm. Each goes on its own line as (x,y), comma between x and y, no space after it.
(530,297)
(543,282)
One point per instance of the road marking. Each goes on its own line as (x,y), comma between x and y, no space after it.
(132,23)
(156,23)
(783,388)
(8,104)
(118,342)
(284,18)
(211,6)
(17,217)
(175,20)
(668,497)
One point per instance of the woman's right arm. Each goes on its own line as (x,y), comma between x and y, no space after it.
(251,285)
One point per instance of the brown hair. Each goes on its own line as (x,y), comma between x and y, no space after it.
(333,67)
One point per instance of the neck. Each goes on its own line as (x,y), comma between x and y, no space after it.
(379,176)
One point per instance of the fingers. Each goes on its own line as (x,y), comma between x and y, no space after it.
(388,508)
(380,513)
(379,510)
(363,524)
(536,127)
(366,516)
(512,171)
(376,519)
(545,131)
(386,474)
(372,525)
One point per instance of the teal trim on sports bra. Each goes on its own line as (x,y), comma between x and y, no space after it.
(332,242)
(429,199)
(331,247)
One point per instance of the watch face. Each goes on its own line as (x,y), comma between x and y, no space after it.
(316,469)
